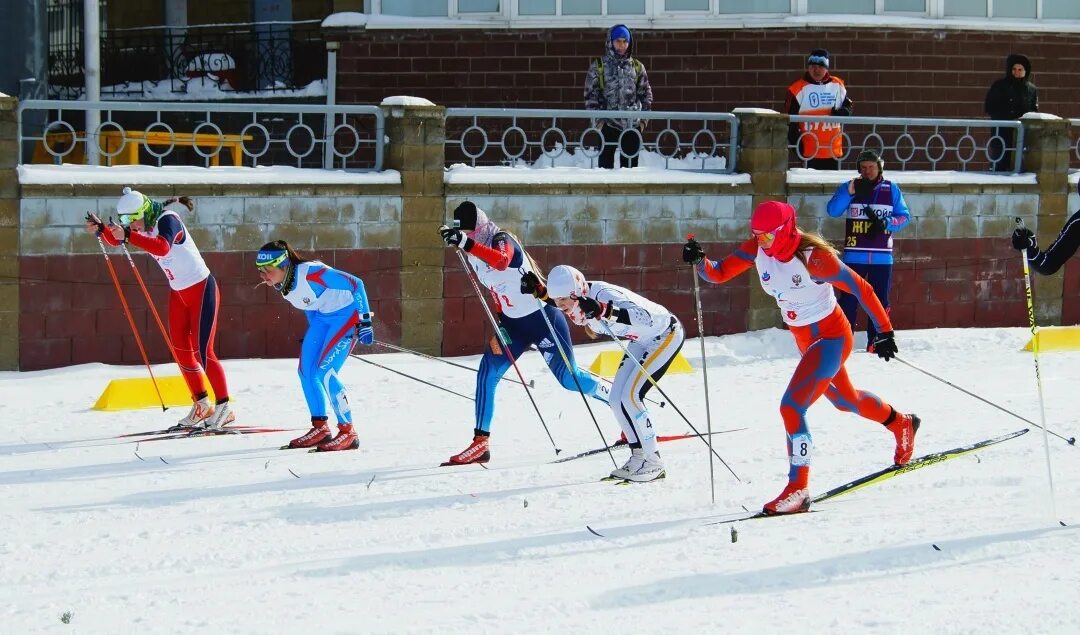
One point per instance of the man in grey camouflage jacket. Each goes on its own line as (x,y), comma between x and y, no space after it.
(617,81)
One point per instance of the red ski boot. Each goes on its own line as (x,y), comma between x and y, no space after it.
(345,440)
(477,452)
(794,499)
(318,433)
(904,428)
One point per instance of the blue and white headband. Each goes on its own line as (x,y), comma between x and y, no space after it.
(819,60)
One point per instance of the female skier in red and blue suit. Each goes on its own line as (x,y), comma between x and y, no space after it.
(799,270)
(338,314)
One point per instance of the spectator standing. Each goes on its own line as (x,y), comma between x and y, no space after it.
(874,209)
(818,92)
(618,81)
(1010,98)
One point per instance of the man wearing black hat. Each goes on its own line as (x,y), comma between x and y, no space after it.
(817,92)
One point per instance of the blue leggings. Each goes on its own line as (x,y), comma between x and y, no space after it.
(524,332)
(326,346)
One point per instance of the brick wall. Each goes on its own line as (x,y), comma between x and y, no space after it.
(69,312)
(890,72)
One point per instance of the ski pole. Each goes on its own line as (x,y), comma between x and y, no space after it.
(1038,375)
(505,343)
(652,381)
(1069,440)
(130,319)
(570,369)
(398,372)
(150,303)
(402,349)
(704,374)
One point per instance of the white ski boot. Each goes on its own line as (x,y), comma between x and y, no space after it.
(650,469)
(633,464)
(200,412)
(221,417)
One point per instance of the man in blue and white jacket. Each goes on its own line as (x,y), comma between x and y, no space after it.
(875,210)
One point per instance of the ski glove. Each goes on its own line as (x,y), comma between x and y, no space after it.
(594,310)
(1023,239)
(456,238)
(364,333)
(530,283)
(692,253)
(92,219)
(878,225)
(885,345)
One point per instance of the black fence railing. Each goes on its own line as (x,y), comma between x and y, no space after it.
(206,62)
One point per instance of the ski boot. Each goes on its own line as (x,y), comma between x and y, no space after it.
(795,498)
(201,410)
(903,428)
(345,440)
(319,432)
(651,468)
(477,452)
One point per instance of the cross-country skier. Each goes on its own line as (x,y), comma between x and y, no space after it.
(800,269)
(336,306)
(499,261)
(1064,246)
(157,229)
(655,335)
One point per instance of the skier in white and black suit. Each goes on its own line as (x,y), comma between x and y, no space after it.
(655,335)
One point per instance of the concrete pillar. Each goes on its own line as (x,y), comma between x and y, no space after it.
(1046,153)
(9,235)
(763,154)
(417,135)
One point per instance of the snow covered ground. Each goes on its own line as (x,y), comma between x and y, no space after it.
(232,535)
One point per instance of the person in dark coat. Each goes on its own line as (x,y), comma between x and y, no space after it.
(1009,98)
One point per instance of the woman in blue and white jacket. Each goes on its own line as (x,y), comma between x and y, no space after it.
(875,210)
(338,314)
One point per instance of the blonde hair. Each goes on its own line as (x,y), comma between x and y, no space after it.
(813,240)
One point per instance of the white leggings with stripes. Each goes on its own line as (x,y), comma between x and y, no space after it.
(630,385)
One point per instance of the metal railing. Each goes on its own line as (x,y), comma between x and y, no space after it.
(917,144)
(539,138)
(160,61)
(1074,137)
(303,136)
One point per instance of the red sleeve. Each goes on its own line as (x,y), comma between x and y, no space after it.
(153,245)
(725,269)
(825,266)
(498,256)
(107,236)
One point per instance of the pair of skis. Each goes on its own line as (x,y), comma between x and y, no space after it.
(187,432)
(879,476)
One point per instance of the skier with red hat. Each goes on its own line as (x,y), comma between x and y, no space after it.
(800,269)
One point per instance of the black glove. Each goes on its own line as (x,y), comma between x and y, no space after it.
(454,237)
(692,253)
(878,225)
(92,219)
(885,345)
(864,189)
(1023,239)
(530,283)
(594,310)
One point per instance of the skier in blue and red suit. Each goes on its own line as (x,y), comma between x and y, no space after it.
(800,269)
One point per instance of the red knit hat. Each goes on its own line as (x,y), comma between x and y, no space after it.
(774,216)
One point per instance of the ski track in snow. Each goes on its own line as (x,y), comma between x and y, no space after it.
(230,535)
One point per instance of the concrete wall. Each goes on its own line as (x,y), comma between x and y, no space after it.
(69,311)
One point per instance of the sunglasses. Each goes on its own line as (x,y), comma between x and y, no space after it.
(764,237)
(266,261)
